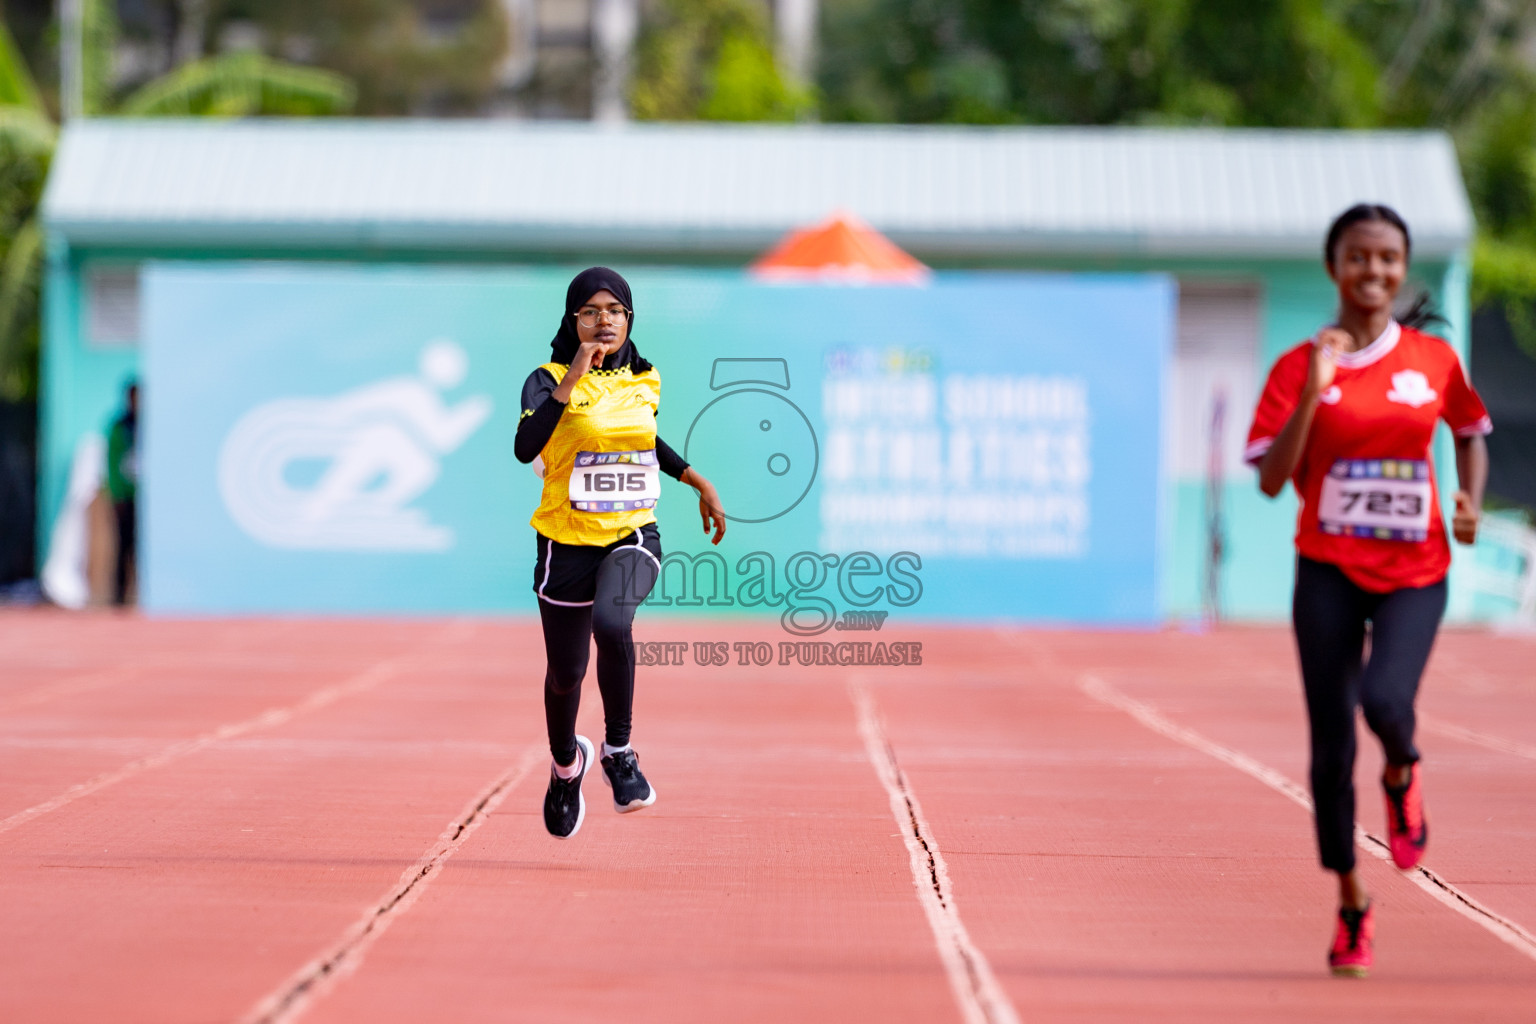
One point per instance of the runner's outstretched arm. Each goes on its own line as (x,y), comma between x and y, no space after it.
(710,509)
(1472,474)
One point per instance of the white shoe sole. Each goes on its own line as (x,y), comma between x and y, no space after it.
(636,805)
(587,754)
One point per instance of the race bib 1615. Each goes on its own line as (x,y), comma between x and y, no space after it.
(1388,499)
(615,481)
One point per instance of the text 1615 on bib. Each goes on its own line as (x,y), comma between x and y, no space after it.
(615,481)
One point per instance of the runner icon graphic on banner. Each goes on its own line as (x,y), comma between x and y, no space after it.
(370,452)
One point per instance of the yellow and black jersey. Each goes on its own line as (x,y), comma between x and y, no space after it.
(600,463)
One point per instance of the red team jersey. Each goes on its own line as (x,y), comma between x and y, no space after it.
(1366,484)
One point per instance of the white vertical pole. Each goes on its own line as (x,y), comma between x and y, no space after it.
(189,38)
(614,26)
(71,59)
(795,28)
(518,65)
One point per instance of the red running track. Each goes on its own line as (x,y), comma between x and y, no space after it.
(339,821)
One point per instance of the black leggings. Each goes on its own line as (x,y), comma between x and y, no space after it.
(1330,614)
(618,578)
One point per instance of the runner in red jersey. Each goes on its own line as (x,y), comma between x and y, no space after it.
(1348,417)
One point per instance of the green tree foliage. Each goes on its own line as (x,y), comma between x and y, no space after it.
(16,86)
(711,60)
(235,84)
(27,137)
(99,41)
(240,85)
(1281,63)
(1464,66)
(401,63)
(1498,155)
(1229,62)
(1442,60)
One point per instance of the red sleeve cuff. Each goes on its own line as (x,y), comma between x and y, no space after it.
(1481,428)
(1256,449)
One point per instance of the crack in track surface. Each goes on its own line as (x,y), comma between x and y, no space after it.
(1448,894)
(1501,927)
(917,834)
(981,999)
(978,977)
(314,979)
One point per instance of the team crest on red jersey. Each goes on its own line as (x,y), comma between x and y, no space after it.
(1410,387)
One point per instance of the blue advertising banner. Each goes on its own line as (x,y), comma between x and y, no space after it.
(339,439)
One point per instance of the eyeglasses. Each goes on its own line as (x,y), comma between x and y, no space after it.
(591,317)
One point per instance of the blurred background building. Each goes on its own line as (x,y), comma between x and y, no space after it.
(1445,92)
(1232,216)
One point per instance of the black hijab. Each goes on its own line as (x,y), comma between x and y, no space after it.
(585,285)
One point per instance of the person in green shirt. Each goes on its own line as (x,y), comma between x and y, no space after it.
(122,488)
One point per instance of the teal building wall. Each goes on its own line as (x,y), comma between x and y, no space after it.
(83,381)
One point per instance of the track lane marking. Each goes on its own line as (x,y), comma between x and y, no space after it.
(1439,726)
(266,720)
(1504,929)
(454,632)
(315,979)
(981,999)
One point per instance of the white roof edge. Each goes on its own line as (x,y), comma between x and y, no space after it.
(946,192)
(512,126)
(680,242)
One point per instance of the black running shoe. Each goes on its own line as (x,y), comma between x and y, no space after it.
(564,807)
(621,770)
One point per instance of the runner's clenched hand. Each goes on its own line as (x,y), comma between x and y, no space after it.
(1325,359)
(588,355)
(1465,519)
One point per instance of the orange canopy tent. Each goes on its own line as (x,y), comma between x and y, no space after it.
(840,250)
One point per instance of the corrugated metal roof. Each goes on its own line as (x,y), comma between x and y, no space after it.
(735,189)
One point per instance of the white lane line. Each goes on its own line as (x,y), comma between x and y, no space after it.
(981,999)
(1154,720)
(266,720)
(1506,930)
(1477,739)
(318,977)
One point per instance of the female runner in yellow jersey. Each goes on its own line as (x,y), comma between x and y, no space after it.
(589,417)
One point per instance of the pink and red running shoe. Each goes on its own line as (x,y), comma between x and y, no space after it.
(1351,952)
(1407,831)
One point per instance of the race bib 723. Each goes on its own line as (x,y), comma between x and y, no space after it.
(615,481)
(1388,499)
